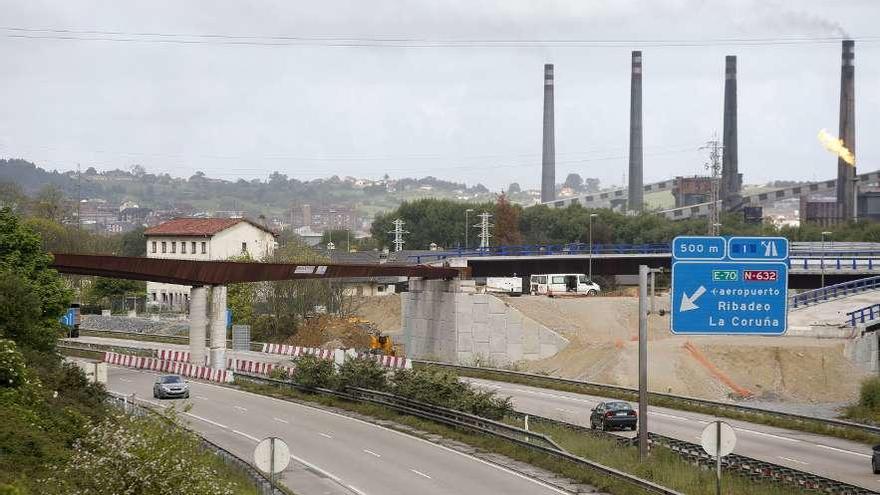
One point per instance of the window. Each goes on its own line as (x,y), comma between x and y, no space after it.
(380,288)
(154,296)
(173,247)
(542,279)
(164,247)
(204,247)
(183,247)
(154,246)
(558,280)
(193,246)
(243,247)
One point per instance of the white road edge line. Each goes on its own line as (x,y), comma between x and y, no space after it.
(281,420)
(206,420)
(850,452)
(355,489)
(400,433)
(251,437)
(371,453)
(420,473)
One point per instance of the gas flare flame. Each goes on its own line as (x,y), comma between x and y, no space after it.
(836,146)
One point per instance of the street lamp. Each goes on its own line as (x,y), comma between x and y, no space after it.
(823,256)
(590,276)
(466,226)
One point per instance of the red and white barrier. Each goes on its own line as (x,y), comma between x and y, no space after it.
(176,367)
(389,361)
(172,355)
(255,367)
(296,351)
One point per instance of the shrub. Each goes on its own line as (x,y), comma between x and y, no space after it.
(279,374)
(12,367)
(443,388)
(361,373)
(869,394)
(313,372)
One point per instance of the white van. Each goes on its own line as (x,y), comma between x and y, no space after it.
(561,283)
(504,284)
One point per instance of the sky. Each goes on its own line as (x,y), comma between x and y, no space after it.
(451,89)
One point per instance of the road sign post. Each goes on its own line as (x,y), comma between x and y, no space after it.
(271,456)
(718,439)
(735,286)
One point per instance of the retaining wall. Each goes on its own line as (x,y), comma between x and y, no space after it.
(864,351)
(449,321)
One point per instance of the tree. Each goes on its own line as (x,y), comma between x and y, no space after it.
(506,222)
(514,188)
(12,196)
(134,243)
(574,181)
(108,288)
(33,295)
(441,221)
(50,203)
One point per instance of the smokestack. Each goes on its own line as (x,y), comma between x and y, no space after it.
(846,173)
(731,179)
(636,189)
(548,158)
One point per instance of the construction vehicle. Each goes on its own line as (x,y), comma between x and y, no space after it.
(382,345)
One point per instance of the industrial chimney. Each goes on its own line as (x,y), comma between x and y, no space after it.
(636,188)
(548,158)
(846,173)
(731,179)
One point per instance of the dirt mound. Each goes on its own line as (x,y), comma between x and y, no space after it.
(603,334)
(331,332)
(382,311)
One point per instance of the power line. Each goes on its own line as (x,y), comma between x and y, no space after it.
(402,42)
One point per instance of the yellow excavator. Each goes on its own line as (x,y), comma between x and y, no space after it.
(379,344)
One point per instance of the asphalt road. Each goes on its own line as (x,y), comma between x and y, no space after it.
(827,456)
(331,453)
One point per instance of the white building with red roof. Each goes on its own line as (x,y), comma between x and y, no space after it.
(202,239)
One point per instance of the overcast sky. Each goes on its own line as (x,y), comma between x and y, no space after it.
(244,107)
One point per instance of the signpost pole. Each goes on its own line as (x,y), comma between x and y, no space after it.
(643,362)
(272,462)
(653,282)
(718,458)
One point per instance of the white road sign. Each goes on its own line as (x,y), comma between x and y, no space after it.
(710,439)
(264,458)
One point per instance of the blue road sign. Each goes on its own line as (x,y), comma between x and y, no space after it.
(745,293)
(699,248)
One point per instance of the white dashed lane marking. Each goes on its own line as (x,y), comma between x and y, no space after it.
(420,473)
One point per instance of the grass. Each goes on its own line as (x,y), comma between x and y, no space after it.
(663,467)
(764,418)
(867,409)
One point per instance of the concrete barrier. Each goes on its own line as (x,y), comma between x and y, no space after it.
(296,351)
(176,367)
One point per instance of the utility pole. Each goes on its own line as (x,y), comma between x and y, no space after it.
(714,168)
(398,234)
(484,226)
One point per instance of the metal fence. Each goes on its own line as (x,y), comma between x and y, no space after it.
(829,292)
(863,315)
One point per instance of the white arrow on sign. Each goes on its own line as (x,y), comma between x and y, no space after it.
(687,303)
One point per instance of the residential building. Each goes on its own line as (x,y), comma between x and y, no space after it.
(202,239)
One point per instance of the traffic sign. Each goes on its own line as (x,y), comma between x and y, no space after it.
(699,248)
(732,296)
(271,455)
(718,439)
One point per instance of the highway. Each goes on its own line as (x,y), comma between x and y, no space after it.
(827,456)
(331,453)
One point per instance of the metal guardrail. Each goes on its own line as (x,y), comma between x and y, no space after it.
(548,250)
(747,466)
(631,393)
(531,440)
(260,481)
(829,292)
(864,315)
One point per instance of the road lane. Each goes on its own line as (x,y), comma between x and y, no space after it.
(334,444)
(827,456)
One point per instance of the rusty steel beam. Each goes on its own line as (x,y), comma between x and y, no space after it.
(191,272)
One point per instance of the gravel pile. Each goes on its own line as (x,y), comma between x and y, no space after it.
(161,326)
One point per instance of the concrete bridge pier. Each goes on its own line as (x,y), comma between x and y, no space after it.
(198,313)
(218,327)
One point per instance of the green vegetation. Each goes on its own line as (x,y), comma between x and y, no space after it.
(663,467)
(57,435)
(760,417)
(867,409)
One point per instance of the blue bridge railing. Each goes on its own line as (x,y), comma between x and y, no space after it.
(548,250)
(826,293)
(864,315)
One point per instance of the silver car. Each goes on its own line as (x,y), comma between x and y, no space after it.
(170,386)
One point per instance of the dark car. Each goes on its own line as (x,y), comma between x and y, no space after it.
(168,386)
(610,415)
(875,460)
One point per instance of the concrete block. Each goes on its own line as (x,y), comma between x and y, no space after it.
(499,358)
(497,341)
(514,351)
(514,316)
(465,358)
(497,322)
(465,342)
(481,332)
(548,350)
(496,306)
(481,348)
(530,342)
(514,332)
(480,299)
(481,313)
(464,321)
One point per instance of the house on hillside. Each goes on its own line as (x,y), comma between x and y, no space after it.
(202,239)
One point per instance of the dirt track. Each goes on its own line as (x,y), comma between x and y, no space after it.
(603,330)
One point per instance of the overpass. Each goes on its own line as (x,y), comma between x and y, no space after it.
(808,262)
(213,276)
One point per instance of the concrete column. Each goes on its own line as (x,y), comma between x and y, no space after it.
(198,316)
(636,188)
(218,327)
(548,150)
